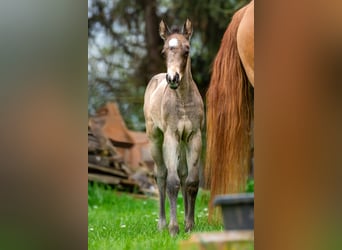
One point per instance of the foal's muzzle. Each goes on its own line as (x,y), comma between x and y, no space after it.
(173,81)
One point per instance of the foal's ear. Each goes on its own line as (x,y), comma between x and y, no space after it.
(164,31)
(187,29)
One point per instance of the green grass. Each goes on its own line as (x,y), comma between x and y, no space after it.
(120,221)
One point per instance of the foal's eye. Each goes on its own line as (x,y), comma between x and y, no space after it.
(186,52)
(163,53)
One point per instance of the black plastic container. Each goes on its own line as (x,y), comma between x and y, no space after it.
(237,210)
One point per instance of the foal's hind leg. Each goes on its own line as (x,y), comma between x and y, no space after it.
(192,181)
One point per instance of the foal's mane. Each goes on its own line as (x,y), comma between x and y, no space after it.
(175,30)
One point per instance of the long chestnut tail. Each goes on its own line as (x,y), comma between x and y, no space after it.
(229,116)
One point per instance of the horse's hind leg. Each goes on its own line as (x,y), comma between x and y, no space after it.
(192,181)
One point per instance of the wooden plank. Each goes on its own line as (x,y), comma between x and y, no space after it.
(227,240)
(131,185)
(129,182)
(110,158)
(107,170)
(104,179)
(126,169)
(98,160)
(113,180)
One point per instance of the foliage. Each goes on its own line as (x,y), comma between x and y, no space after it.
(124,47)
(250,186)
(120,221)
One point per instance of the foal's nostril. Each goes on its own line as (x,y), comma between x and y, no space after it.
(176,77)
(168,78)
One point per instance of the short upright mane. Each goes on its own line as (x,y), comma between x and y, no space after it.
(175,30)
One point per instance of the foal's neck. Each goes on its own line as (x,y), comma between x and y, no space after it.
(187,80)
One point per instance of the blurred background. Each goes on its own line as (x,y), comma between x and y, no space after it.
(124,47)
(45,106)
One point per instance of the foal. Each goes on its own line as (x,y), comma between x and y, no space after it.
(174,116)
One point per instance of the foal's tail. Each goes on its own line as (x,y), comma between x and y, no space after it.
(229,115)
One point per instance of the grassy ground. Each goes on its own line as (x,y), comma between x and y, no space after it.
(120,221)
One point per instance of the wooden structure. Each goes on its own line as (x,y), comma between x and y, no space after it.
(107,156)
(132,145)
(228,240)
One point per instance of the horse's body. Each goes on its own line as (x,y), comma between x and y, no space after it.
(174,116)
(230,107)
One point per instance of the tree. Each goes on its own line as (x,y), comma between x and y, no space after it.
(124,47)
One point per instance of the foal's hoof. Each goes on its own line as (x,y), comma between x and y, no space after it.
(173,229)
(189,226)
(161,225)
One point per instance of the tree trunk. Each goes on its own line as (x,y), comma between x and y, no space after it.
(154,62)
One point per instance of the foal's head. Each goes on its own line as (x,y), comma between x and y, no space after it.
(176,51)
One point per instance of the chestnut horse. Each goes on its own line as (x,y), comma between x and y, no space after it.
(230,99)
(174,116)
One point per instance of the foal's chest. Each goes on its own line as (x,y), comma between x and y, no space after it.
(183,118)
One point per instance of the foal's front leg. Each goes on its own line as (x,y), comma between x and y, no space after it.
(171,158)
(192,181)
(161,182)
(156,145)
(183,173)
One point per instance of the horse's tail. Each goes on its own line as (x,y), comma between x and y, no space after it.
(229,115)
